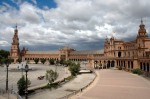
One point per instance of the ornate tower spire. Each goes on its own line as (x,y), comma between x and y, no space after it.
(142,30)
(16,25)
(141,21)
(15,51)
(16,30)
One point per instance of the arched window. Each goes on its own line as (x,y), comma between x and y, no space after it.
(119,54)
(148,67)
(141,65)
(131,65)
(144,67)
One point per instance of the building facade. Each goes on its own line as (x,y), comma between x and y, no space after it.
(132,54)
(128,55)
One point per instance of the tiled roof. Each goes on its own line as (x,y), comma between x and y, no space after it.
(88,52)
(118,40)
(73,52)
(42,52)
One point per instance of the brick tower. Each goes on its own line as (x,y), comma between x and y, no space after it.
(15,51)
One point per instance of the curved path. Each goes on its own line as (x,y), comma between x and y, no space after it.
(115,84)
(77,83)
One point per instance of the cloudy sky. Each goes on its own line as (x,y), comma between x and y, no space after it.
(80,24)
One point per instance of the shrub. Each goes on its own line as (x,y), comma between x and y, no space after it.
(119,68)
(52,85)
(69,78)
(19,60)
(137,71)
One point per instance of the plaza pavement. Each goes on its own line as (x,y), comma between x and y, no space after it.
(6,96)
(38,70)
(116,84)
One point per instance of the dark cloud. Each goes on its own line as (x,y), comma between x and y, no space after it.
(83,24)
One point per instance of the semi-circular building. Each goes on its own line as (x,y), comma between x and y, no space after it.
(116,52)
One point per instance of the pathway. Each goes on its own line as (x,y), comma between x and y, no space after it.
(76,84)
(115,84)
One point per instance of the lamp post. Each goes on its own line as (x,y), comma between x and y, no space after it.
(26,90)
(7,62)
(7,65)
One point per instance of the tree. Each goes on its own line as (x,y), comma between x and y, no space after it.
(51,76)
(74,68)
(19,60)
(36,60)
(3,56)
(5,61)
(21,84)
(51,62)
(62,62)
(69,62)
(43,60)
(2,60)
(4,53)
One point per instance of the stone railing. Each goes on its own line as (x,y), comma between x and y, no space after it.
(80,90)
(10,93)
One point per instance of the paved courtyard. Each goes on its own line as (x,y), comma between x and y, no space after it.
(38,70)
(115,84)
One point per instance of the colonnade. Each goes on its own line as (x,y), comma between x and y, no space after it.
(145,66)
(125,64)
(101,64)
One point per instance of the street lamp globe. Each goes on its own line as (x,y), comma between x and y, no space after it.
(26,68)
(7,62)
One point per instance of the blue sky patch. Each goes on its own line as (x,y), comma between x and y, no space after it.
(39,3)
(48,3)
